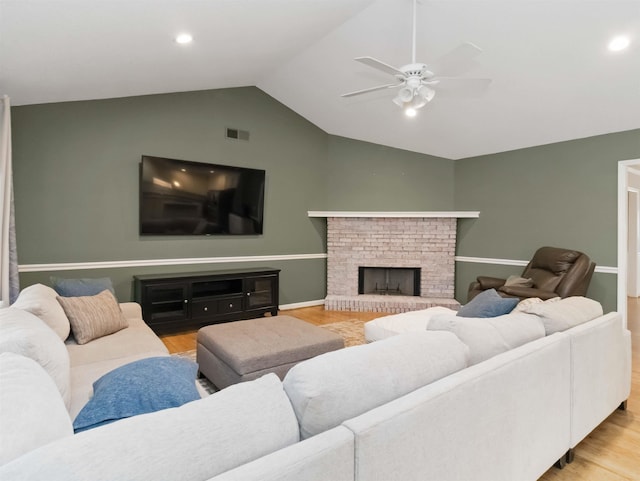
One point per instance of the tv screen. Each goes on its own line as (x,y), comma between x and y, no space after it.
(179,197)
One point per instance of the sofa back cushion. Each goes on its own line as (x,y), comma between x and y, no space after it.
(195,441)
(487,337)
(331,388)
(40,300)
(23,333)
(32,413)
(82,287)
(565,313)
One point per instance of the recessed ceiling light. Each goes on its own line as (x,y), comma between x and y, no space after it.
(619,43)
(184,38)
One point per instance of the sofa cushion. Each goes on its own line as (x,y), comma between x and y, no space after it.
(23,333)
(395,324)
(83,377)
(40,300)
(81,287)
(195,441)
(565,313)
(331,388)
(487,337)
(488,304)
(139,387)
(137,338)
(32,413)
(92,317)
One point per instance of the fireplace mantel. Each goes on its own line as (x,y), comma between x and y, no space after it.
(400,214)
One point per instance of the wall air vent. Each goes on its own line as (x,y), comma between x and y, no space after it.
(237,134)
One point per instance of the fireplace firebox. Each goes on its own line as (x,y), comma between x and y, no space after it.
(391,281)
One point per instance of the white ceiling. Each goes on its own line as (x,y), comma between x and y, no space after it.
(553,77)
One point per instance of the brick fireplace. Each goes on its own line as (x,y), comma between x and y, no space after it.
(422,241)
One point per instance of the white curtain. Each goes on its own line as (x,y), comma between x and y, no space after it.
(9,284)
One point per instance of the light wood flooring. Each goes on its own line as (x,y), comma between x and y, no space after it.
(610,453)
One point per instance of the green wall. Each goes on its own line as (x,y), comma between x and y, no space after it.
(362,176)
(76,173)
(562,194)
(76,188)
(76,182)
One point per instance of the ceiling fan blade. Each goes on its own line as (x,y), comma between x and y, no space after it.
(457,61)
(461,87)
(377,64)
(372,89)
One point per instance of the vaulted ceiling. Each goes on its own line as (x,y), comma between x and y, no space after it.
(553,78)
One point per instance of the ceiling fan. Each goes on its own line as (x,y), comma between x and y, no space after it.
(417,82)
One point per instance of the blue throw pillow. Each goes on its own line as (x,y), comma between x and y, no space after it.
(81,287)
(488,304)
(139,387)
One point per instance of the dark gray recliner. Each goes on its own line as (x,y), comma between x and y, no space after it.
(555,272)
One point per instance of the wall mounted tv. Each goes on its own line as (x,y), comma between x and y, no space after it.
(179,197)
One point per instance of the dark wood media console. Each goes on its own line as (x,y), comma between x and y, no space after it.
(176,302)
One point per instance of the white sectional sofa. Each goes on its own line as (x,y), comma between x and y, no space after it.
(407,407)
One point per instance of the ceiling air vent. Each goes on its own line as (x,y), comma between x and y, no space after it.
(237,134)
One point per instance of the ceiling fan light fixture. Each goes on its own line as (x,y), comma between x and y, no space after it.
(426,93)
(405,94)
(410,112)
(417,103)
(414,80)
(619,43)
(398,101)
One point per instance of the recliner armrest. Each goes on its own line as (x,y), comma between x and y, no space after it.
(490,282)
(519,291)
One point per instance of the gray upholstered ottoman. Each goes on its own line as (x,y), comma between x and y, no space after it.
(244,350)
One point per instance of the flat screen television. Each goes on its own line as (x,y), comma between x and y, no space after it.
(179,197)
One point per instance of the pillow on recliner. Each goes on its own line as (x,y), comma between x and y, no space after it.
(488,304)
(518,281)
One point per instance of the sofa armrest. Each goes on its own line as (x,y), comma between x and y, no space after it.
(490,282)
(131,310)
(520,291)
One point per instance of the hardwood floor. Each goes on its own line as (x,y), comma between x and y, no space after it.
(610,453)
(612,450)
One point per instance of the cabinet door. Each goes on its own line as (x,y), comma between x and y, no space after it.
(165,302)
(261,291)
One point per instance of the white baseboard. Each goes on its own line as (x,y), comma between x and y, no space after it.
(298,305)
